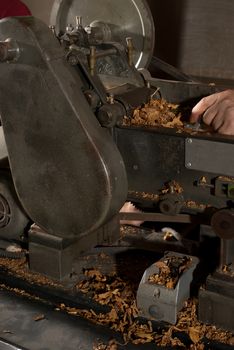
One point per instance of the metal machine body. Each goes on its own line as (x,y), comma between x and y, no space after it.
(47,146)
(159,302)
(216,299)
(73,163)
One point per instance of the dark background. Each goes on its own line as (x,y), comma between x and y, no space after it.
(196,36)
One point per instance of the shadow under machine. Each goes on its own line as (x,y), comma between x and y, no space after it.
(70,156)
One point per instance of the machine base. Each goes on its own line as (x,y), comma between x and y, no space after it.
(216,302)
(53,256)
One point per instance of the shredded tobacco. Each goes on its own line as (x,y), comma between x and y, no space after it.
(120,296)
(172,187)
(158,112)
(112,345)
(19,268)
(170,270)
(19,292)
(194,205)
(144,195)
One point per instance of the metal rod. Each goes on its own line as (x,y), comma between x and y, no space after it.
(158,217)
(92,60)
(130,51)
(104,53)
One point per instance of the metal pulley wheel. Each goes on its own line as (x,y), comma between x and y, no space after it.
(113,21)
(222,223)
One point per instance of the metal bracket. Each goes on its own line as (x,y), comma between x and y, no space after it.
(160,303)
(199,155)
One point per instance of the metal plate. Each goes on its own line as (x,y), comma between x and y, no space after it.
(209,156)
(130,18)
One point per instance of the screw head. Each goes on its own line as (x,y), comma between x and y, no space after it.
(156,293)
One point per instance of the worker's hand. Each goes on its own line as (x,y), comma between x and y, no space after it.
(216,110)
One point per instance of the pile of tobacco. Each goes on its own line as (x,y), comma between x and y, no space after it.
(160,113)
(170,270)
(120,296)
(157,112)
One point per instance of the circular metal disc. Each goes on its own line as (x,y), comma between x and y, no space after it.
(222,223)
(126,18)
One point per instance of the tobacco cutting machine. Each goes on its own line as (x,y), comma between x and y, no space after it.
(68,162)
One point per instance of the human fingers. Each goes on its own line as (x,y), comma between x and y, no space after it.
(227,127)
(213,116)
(202,106)
(221,114)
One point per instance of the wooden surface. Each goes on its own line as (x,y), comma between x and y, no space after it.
(196,36)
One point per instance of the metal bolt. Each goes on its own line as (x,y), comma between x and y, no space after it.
(92,60)
(69,28)
(156,293)
(88,30)
(130,50)
(111,99)
(78,22)
(189,141)
(52,28)
(171,188)
(73,60)
(9,50)
(189,165)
